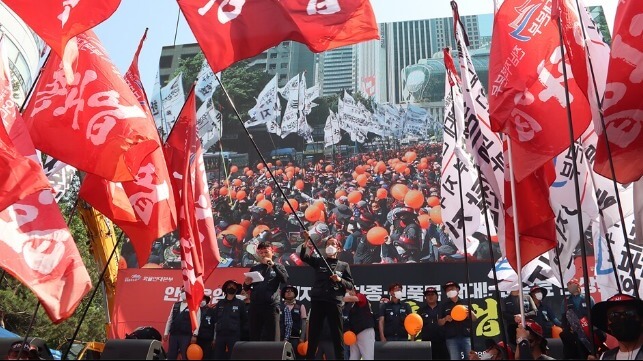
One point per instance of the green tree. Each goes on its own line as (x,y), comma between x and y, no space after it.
(190,68)
(17,302)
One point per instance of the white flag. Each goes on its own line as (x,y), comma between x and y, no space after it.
(303,128)
(351,119)
(208,124)
(59,175)
(332,134)
(206,83)
(290,120)
(268,107)
(167,109)
(416,120)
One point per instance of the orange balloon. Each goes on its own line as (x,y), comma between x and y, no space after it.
(294,204)
(223,191)
(555,331)
(436,214)
(361,180)
(425,221)
(278,163)
(260,197)
(380,167)
(260,166)
(410,156)
(268,190)
(400,167)
(494,239)
(265,204)
(413,324)
(359,169)
(399,191)
(241,195)
(236,182)
(302,348)
(245,223)
(234,169)
(269,165)
(249,173)
(381,193)
(350,338)
(320,204)
(258,229)
(279,172)
(376,236)
(289,175)
(299,184)
(433,201)
(459,313)
(233,194)
(312,214)
(194,352)
(340,193)
(329,168)
(407,171)
(354,197)
(414,199)
(238,230)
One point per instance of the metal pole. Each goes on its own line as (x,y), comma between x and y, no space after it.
(33,319)
(514,207)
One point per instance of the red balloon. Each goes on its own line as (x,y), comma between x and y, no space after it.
(241,195)
(237,230)
(312,214)
(265,204)
(399,191)
(400,167)
(414,199)
(293,203)
(234,169)
(223,191)
(245,223)
(433,201)
(194,352)
(354,197)
(258,229)
(410,156)
(268,190)
(249,173)
(425,221)
(260,197)
(359,169)
(361,180)
(376,236)
(381,193)
(380,167)
(299,184)
(320,204)
(236,182)
(340,193)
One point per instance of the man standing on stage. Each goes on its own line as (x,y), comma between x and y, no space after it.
(230,315)
(457,333)
(327,295)
(293,317)
(392,316)
(178,329)
(431,331)
(264,296)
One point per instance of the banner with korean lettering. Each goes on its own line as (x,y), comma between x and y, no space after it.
(206,83)
(268,107)
(416,120)
(208,124)
(332,134)
(351,120)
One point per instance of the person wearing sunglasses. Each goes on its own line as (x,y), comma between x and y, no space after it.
(622,317)
(22,351)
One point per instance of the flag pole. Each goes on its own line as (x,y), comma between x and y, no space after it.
(514,207)
(35,82)
(272,176)
(91,298)
(572,147)
(609,157)
(33,319)
(464,224)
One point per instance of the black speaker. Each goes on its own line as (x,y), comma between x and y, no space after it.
(262,350)
(133,350)
(555,346)
(406,350)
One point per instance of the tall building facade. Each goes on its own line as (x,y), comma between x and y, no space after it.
(337,70)
(443,36)
(23,48)
(286,60)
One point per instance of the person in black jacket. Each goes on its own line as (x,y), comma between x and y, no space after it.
(293,317)
(205,338)
(230,315)
(327,295)
(511,312)
(392,316)
(264,296)
(431,331)
(362,323)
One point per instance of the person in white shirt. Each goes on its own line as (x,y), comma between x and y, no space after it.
(178,329)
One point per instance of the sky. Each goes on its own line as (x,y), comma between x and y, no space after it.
(121,33)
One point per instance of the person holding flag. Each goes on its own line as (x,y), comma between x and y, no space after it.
(178,329)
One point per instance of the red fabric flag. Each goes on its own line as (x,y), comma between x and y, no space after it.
(58,21)
(622,107)
(536,220)
(36,246)
(144,208)
(527,89)
(95,124)
(234,30)
(181,149)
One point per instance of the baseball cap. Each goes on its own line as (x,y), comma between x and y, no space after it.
(599,311)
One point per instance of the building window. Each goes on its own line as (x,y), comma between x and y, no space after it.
(188,56)
(164,79)
(284,65)
(165,62)
(272,66)
(283,78)
(273,55)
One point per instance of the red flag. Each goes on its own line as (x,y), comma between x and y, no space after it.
(95,124)
(181,149)
(36,246)
(144,208)
(622,105)
(234,30)
(58,21)
(527,89)
(536,223)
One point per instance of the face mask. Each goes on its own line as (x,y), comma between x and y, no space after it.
(539,296)
(331,250)
(626,329)
(202,303)
(182,297)
(486,356)
(241,297)
(231,290)
(398,294)
(452,293)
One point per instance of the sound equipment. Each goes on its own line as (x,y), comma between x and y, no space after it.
(555,346)
(133,350)
(262,350)
(403,350)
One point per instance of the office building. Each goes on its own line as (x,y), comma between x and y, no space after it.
(337,70)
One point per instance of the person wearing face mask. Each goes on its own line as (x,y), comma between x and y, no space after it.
(205,337)
(622,317)
(511,311)
(264,313)
(457,333)
(576,343)
(365,252)
(531,343)
(327,294)
(293,317)
(544,314)
(178,329)
(392,315)
(431,331)
(230,315)
(245,328)
(361,322)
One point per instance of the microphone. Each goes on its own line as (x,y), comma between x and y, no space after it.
(270,263)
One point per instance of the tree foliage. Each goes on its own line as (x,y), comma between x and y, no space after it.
(17,302)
